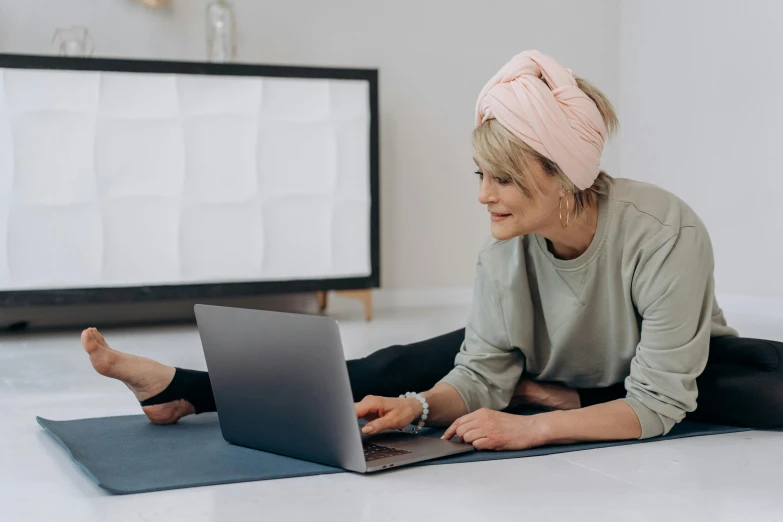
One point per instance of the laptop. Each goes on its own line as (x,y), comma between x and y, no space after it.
(281,385)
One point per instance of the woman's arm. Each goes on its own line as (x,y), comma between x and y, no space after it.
(614,420)
(390,413)
(493,430)
(446,405)
(673,291)
(487,368)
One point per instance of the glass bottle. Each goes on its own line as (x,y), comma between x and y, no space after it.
(220,32)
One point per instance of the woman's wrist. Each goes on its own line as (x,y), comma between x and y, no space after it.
(544,430)
(417,405)
(446,405)
(419,418)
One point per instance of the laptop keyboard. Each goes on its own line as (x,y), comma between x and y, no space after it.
(375,452)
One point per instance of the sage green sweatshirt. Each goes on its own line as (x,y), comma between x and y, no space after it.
(637,307)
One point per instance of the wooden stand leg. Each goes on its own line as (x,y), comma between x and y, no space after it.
(365,296)
(322,300)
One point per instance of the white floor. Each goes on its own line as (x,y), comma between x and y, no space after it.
(724,477)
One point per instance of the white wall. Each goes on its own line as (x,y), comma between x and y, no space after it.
(434,57)
(702,114)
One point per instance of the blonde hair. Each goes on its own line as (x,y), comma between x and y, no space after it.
(508,156)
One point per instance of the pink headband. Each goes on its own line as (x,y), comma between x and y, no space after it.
(560,123)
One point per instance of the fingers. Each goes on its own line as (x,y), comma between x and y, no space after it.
(471,428)
(387,422)
(483,443)
(471,434)
(471,431)
(466,427)
(451,430)
(383,412)
(455,426)
(368,405)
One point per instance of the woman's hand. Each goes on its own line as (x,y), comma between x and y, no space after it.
(386,413)
(493,430)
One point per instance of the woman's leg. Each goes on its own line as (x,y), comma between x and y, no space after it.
(388,372)
(145,378)
(742,384)
(398,369)
(193,386)
(168,394)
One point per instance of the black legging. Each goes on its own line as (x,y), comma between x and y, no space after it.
(742,384)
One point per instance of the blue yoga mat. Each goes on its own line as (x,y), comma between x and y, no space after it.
(129,455)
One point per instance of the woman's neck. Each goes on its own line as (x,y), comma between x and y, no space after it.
(573,241)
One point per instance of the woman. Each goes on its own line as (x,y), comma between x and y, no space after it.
(594,299)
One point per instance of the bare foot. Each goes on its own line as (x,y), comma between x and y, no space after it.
(145,377)
(547,395)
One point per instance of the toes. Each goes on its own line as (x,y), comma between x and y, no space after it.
(88,341)
(98,337)
(94,337)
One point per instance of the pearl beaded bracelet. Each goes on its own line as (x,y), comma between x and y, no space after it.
(425,413)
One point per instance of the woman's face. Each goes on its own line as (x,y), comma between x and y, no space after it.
(512,213)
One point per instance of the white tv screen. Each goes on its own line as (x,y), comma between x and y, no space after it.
(125,179)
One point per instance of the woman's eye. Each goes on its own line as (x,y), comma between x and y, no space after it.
(479,174)
(502,181)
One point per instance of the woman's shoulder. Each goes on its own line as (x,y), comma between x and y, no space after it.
(648,218)
(637,203)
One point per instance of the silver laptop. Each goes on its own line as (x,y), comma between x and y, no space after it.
(281,385)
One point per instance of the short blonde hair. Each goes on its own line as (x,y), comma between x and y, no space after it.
(506,155)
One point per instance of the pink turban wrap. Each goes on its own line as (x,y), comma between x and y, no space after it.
(560,123)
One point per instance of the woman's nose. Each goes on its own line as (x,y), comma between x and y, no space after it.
(487,193)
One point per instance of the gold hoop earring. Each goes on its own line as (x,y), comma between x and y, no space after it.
(568,212)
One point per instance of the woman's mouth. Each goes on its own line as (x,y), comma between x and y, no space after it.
(499,217)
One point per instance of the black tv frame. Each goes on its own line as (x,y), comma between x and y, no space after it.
(75,296)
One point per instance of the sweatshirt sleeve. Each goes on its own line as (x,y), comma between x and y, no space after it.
(487,368)
(673,291)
